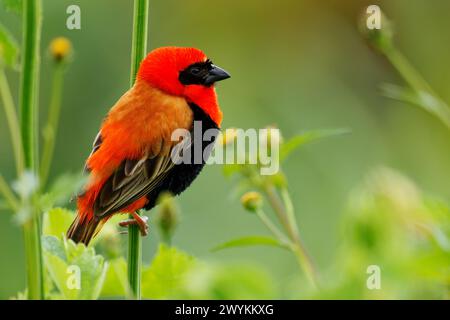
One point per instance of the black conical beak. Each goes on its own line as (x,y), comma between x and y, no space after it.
(216,74)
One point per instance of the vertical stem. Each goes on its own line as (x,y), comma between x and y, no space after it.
(29,127)
(134,261)
(13,122)
(140,30)
(51,126)
(277,206)
(138,50)
(29,80)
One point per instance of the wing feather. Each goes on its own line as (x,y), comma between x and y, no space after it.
(136,178)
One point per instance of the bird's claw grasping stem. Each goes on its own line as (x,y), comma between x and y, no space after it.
(140,221)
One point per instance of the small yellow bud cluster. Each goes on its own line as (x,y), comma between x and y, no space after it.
(252,201)
(60,48)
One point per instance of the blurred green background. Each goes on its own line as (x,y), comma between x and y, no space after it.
(299,65)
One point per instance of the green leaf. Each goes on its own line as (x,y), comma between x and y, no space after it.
(57,221)
(422,99)
(311,136)
(13,5)
(166,273)
(54,246)
(9,49)
(116,282)
(250,241)
(65,261)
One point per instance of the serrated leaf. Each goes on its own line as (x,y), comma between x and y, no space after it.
(54,246)
(249,241)
(62,257)
(166,272)
(9,49)
(311,136)
(57,221)
(422,99)
(13,5)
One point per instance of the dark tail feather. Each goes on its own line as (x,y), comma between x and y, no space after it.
(84,230)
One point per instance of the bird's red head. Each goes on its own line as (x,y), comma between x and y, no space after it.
(185,72)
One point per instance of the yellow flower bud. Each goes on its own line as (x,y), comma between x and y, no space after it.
(381,39)
(60,48)
(252,201)
(167,216)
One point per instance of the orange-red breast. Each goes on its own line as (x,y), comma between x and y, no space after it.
(130,163)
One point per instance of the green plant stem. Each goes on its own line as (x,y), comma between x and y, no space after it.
(289,208)
(140,30)
(5,190)
(138,51)
(29,126)
(134,261)
(416,82)
(278,208)
(272,227)
(285,212)
(30,80)
(51,126)
(32,241)
(407,71)
(12,119)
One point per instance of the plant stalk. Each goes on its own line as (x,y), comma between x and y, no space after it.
(285,211)
(138,51)
(29,135)
(407,71)
(416,82)
(9,196)
(13,122)
(271,227)
(51,126)
(134,261)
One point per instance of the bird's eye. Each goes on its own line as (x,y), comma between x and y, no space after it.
(195,71)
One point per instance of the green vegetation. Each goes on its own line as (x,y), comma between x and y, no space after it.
(138,51)
(395,219)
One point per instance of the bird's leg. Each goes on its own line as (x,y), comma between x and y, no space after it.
(140,221)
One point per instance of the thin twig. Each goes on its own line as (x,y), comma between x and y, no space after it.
(272,227)
(285,212)
(51,126)
(7,193)
(12,119)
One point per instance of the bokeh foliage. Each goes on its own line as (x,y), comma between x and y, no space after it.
(302,65)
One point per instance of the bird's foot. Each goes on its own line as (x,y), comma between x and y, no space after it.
(140,221)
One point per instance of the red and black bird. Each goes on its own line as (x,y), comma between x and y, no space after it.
(130,163)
